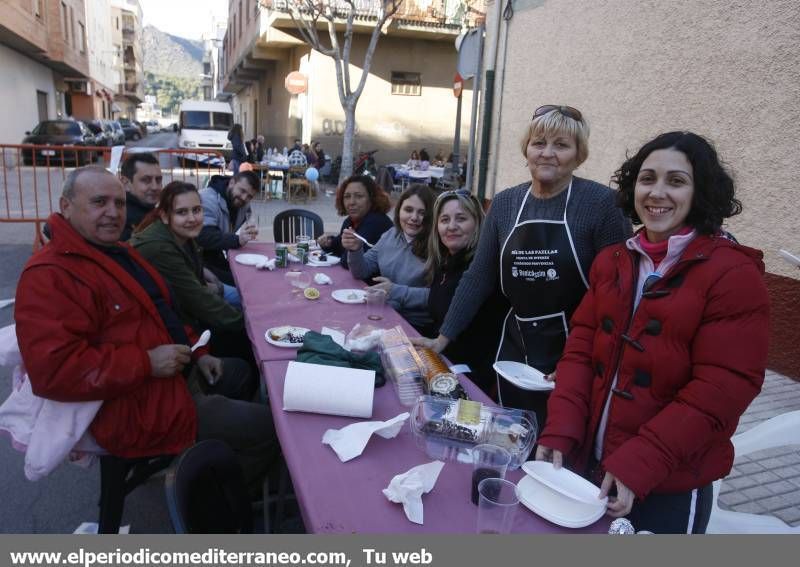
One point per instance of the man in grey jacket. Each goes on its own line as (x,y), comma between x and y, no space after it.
(226,207)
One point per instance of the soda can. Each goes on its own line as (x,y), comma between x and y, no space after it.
(281,256)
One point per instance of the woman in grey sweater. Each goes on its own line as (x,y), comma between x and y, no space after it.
(537,245)
(397,261)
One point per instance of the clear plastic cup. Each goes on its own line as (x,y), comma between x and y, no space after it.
(376,303)
(497,506)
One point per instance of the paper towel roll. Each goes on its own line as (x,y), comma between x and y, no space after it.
(331,390)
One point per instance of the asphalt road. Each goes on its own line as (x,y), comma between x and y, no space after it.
(63,500)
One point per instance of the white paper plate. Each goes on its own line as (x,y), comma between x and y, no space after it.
(313,260)
(564,481)
(251,259)
(283,329)
(555,506)
(345,295)
(522,375)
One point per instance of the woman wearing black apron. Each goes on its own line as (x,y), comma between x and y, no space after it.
(537,245)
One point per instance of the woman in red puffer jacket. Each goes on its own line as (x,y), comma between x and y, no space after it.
(667,348)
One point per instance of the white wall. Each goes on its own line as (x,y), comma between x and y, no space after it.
(22,77)
(101,49)
(636,68)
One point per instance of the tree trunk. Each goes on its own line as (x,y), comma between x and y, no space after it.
(347,142)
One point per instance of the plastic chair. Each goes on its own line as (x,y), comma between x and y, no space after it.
(297,185)
(778,431)
(118,477)
(288,225)
(206,491)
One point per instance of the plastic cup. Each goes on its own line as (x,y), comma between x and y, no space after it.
(488,461)
(376,303)
(497,506)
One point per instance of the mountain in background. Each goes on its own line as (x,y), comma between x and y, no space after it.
(170,55)
(172,68)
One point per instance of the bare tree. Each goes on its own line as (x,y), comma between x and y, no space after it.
(314,16)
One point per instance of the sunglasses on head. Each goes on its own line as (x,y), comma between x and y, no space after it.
(567,111)
(456,192)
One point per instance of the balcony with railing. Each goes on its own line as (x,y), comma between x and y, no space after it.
(431,13)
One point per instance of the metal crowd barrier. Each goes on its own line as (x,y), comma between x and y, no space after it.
(31,175)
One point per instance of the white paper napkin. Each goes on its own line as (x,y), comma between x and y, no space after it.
(349,441)
(330,390)
(322,279)
(268,265)
(407,488)
(336,335)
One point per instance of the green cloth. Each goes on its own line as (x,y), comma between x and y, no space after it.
(321,349)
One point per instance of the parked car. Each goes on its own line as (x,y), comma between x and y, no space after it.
(59,133)
(142,127)
(132,131)
(103,133)
(152,127)
(119,133)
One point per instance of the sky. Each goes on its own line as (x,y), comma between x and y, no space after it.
(184,18)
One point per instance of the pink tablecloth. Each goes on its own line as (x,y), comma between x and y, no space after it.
(338,497)
(269,301)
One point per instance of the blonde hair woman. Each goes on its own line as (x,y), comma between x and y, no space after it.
(457,220)
(539,240)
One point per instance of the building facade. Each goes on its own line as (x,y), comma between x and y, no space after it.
(43,54)
(126,34)
(639,68)
(102,57)
(407,102)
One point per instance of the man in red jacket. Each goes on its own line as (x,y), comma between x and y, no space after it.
(95,322)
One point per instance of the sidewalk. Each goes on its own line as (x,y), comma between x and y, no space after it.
(767,482)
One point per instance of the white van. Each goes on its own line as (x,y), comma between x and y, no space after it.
(204,125)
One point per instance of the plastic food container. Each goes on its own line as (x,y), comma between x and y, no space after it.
(402,365)
(448,429)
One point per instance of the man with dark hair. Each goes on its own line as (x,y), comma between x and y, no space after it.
(141,177)
(226,207)
(95,321)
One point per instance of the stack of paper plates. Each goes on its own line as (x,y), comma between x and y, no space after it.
(560,496)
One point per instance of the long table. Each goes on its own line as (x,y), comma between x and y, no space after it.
(338,497)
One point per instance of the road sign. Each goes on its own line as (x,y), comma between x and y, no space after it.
(458,85)
(296,82)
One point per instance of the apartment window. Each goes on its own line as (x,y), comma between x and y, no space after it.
(404,83)
(240,18)
(247,11)
(62,12)
(82,37)
(269,96)
(117,20)
(72,25)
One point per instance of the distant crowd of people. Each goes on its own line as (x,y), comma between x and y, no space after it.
(656,339)
(255,150)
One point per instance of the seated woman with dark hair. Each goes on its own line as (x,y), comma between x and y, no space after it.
(424,159)
(365,205)
(397,261)
(166,238)
(667,348)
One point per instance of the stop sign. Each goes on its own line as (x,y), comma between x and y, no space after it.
(458,85)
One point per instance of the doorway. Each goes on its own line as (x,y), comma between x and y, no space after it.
(41,103)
